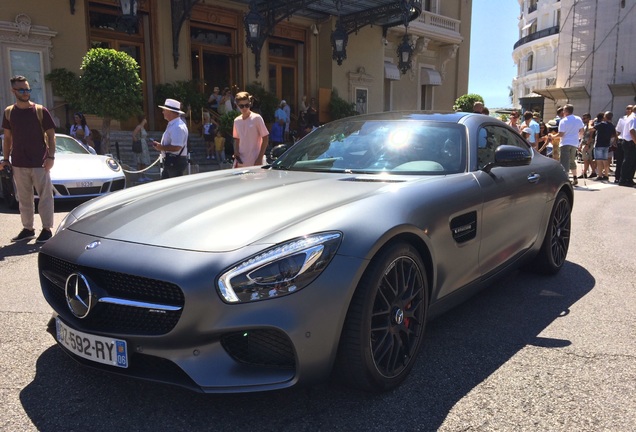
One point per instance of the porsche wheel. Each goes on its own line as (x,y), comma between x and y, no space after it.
(555,245)
(385,322)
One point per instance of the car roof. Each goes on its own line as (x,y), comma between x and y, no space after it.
(438,116)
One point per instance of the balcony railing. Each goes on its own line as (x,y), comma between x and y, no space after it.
(537,35)
(437,26)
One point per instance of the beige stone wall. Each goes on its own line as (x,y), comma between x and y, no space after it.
(70,43)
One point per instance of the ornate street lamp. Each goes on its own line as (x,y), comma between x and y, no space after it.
(339,39)
(405,53)
(254,24)
(405,49)
(128,19)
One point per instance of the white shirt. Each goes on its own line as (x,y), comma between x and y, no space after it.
(570,126)
(629,125)
(620,125)
(176,134)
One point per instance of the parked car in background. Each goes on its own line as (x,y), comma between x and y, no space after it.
(328,261)
(76,174)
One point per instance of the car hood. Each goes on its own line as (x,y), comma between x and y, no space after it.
(222,211)
(82,167)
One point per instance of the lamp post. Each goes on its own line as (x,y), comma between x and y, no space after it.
(128,19)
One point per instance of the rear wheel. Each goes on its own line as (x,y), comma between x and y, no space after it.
(385,322)
(556,242)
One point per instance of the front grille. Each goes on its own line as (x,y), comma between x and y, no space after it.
(146,367)
(113,318)
(85,190)
(61,189)
(118,185)
(260,348)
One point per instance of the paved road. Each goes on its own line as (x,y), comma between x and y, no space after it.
(528,354)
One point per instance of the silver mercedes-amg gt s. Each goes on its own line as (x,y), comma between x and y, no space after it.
(329,262)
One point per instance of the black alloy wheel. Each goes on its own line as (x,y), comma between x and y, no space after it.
(556,243)
(386,321)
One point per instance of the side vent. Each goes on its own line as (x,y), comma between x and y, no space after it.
(464,227)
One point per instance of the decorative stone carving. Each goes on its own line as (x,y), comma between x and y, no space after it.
(22,30)
(23,23)
(447,54)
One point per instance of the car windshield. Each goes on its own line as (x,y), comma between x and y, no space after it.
(417,147)
(67,145)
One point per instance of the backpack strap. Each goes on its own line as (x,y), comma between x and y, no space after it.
(7,112)
(40,114)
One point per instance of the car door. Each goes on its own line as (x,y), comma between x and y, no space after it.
(513,199)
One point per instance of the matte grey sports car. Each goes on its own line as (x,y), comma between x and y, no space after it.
(330,260)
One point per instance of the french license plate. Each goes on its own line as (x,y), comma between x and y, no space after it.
(99,349)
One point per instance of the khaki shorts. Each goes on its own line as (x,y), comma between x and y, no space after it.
(588,153)
(568,155)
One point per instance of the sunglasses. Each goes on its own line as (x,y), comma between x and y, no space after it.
(22,91)
(241,106)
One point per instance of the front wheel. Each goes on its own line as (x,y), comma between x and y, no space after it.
(8,191)
(385,323)
(556,242)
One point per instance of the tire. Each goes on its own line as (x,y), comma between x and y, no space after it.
(385,323)
(556,242)
(8,192)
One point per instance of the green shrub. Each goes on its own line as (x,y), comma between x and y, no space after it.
(465,103)
(186,92)
(340,108)
(266,102)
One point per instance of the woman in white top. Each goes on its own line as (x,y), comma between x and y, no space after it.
(81,132)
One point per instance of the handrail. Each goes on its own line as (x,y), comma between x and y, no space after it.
(537,35)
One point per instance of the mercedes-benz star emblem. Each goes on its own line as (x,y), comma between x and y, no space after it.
(92,245)
(79,296)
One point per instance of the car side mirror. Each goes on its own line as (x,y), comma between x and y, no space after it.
(509,156)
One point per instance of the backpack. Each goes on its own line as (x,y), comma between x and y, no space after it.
(38,112)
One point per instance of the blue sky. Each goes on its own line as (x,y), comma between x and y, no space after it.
(494,32)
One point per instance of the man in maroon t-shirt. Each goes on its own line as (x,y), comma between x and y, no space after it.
(31,158)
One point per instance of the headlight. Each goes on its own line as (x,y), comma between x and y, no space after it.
(68,220)
(281,270)
(112,164)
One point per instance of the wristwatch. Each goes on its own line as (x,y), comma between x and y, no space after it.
(51,157)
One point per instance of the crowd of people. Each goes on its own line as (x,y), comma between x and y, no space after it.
(595,141)
(287,126)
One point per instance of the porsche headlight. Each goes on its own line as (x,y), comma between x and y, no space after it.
(281,270)
(112,164)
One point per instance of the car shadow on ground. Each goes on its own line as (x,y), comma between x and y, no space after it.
(462,348)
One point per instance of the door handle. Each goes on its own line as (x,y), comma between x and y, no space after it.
(534,177)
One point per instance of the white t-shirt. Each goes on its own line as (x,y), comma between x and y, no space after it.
(570,126)
(629,125)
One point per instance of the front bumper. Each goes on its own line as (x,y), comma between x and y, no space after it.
(206,344)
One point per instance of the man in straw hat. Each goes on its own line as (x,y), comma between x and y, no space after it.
(174,141)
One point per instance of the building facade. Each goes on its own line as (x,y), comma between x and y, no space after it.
(205,40)
(578,52)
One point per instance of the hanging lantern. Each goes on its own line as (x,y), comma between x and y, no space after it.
(129,20)
(339,39)
(254,24)
(405,53)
